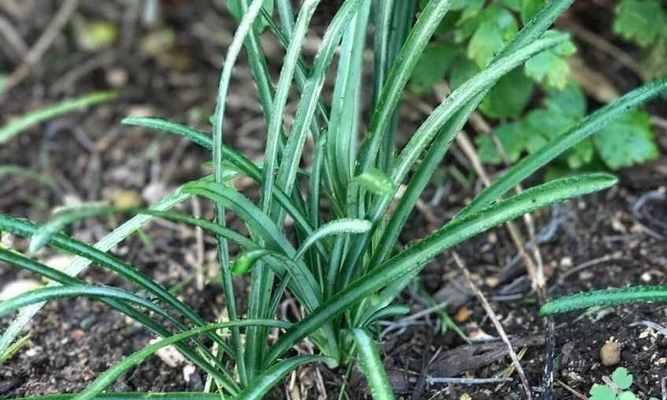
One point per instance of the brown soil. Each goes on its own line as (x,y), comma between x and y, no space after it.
(607,240)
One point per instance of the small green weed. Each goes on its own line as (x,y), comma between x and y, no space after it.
(475,31)
(617,388)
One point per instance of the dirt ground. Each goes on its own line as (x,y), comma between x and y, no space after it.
(611,239)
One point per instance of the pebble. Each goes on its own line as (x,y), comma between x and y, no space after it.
(19,286)
(117,77)
(170,355)
(610,353)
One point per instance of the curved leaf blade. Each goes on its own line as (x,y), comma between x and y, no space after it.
(270,377)
(337,227)
(372,366)
(110,375)
(607,297)
(414,258)
(15,127)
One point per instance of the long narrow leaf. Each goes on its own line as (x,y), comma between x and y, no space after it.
(413,258)
(27,264)
(81,263)
(558,145)
(109,376)
(608,297)
(400,73)
(290,61)
(168,127)
(27,229)
(265,381)
(372,366)
(345,108)
(59,292)
(337,227)
(310,96)
(420,141)
(245,28)
(15,127)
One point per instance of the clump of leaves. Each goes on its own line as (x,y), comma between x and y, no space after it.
(476,31)
(345,267)
(623,143)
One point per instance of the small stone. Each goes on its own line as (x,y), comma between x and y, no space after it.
(154,192)
(566,262)
(117,77)
(125,199)
(463,314)
(646,277)
(77,334)
(170,355)
(492,281)
(610,353)
(59,261)
(18,287)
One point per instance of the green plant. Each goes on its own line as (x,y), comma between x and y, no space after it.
(616,388)
(476,31)
(346,269)
(66,106)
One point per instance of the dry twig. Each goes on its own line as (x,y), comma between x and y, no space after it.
(496,323)
(42,45)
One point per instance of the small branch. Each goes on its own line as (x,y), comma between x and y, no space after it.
(466,381)
(571,390)
(496,322)
(42,45)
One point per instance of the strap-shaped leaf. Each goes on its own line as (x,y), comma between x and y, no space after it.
(15,127)
(454,103)
(310,95)
(66,217)
(164,126)
(258,222)
(372,366)
(399,74)
(289,66)
(460,97)
(20,261)
(557,146)
(337,227)
(109,376)
(81,263)
(413,258)
(59,292)
(607,297)
(271,376)
(391,33)
(26,229)
(431,161)
(342,130)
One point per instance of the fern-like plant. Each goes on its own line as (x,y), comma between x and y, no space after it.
(344,271)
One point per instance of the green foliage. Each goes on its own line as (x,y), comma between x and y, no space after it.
(236,9)
(343,266)
(550,67)
(625,142)
(476,31)
(496,26)
(617,389)
(641,21)
(13,128)
(608,297)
